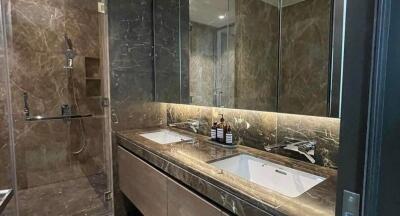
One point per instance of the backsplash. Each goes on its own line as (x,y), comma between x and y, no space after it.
(259,129)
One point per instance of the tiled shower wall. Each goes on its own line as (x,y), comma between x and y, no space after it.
(44,149)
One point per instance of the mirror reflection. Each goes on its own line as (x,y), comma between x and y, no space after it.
(267,55)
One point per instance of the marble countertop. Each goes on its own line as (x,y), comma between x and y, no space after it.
(188,163)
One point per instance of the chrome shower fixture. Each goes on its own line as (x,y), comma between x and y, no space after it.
(26,105)
(69,53)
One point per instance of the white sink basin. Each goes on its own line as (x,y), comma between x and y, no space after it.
(165,137)
(284,180)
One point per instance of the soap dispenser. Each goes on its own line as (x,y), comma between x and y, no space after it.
(220,129)
(229,136)
(214,132)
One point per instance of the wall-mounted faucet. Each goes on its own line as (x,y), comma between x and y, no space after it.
(304,147)
(193,124)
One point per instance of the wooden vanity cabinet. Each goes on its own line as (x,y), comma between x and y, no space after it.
(183,202)
(154,193)
(144,186)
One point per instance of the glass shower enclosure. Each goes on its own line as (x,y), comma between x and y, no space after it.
(55,136)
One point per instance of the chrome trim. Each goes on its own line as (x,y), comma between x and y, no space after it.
(5,197)
(66,117)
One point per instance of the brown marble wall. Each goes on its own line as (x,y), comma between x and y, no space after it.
(171,59)
(257,49)
(132,76)
(45,150)
(131,64)
(304,76)
(202,63)
(260,129)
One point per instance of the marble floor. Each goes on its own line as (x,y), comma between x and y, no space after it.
(82,196)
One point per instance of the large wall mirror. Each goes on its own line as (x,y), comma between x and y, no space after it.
(266,55)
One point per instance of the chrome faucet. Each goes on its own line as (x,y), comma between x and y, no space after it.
(304,147)
(193,124)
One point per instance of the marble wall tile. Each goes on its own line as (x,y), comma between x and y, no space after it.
(171,61)
(185,49)
(38,26)
(82,26)
(44,150)
(130,34)
(167,53)
(134,109)
(132,77)
(257,49)
(258,129)
(132,80)
(305,58)
(202,63)
(325,131)
(252,128)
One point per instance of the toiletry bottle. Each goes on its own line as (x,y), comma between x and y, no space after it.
(229,136)
(220,130)
(214,132)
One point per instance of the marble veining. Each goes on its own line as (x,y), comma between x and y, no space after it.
(170,81)
(44,151)
(257,49)
(188,163)
(260,129)
(202,63)
(304,77)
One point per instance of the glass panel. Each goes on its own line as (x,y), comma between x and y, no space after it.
(59,62)
(6,165)
(304,78)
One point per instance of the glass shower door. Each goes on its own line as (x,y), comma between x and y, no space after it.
(59,89)
(7,175)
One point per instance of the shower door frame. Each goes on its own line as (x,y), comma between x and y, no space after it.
(107,109)
(5,14)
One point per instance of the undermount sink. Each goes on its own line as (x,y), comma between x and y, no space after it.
(165,136)
(284,180)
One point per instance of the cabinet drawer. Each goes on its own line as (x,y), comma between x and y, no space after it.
(183,202)
(145,186)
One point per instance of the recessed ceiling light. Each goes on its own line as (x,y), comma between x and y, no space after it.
(221,17)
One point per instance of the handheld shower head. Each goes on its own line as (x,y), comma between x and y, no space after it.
(69,53)
(68,42)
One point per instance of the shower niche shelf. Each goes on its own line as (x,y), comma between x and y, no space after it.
(93,78)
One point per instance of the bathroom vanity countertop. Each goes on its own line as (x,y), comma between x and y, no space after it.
(188,163)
